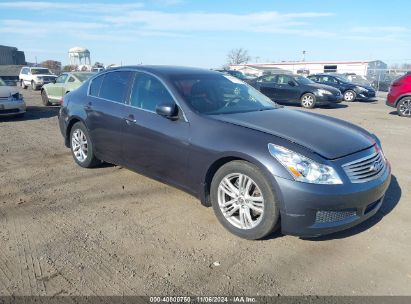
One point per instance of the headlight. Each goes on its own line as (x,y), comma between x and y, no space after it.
(304,169)
(324,92)
(361,89)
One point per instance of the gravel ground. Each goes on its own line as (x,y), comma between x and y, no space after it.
(65,230)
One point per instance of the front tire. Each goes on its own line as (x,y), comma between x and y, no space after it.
(22,84)
(45,98)
(308,101)
(404,107)
(243,200)
(33,86)
(81,146)
(349,95)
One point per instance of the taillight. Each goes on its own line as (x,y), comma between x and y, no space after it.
(62,101)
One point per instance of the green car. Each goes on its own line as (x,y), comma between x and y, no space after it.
(52,93)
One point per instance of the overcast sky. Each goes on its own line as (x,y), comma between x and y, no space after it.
(201,32)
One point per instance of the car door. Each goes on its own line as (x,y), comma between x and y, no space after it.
(154,144)
(266,85)
(287,92)
(331,81)
(71,84)
(106,112)
(55,90)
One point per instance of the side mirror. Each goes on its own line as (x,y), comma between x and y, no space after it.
(167,110)
(292,83)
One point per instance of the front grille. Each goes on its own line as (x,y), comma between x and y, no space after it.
(324,216)
(365,169)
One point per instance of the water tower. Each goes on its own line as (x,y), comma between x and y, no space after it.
(79,56)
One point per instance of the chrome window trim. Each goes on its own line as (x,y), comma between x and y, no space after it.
(127,101)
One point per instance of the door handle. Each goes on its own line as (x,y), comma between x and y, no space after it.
(88,106)
(130,120)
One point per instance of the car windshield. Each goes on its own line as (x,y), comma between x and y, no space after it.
(303,80)
(83,76)
(2,83)
(220,94)
(40,71)
(342,78)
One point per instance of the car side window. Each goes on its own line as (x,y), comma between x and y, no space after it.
(61,78)
(71,79)
(96,85)
(313,78)
(115,86)
(283,79)
(268,78)
(148,92)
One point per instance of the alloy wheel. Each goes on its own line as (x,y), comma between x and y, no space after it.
(79,145)
(349,96)
(405,107)
(240,201)
(307,101)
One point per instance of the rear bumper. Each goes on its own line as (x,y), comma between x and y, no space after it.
(312,210)
(12,108)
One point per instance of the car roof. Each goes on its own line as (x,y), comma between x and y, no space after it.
(167,70)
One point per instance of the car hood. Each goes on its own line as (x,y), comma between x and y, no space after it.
(6,91)
(324,87)
(45,75)
(369,88)
(329,137)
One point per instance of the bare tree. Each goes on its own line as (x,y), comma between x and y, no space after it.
(69,68)
(52,65)
(238,56)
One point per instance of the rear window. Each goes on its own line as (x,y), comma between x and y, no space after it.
(115,86)
(95,86)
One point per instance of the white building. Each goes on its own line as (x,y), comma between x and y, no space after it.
(361,67)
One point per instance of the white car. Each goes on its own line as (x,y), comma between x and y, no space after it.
(35,77)
(11,101)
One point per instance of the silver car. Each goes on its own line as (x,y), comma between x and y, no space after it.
(11,101)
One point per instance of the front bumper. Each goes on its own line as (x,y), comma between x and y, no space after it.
(327,99)
(366,95)
(310,210)
(8,108)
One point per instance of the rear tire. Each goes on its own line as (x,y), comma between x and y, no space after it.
(45,98)
(308,101)
(349,95)
(256,212)
(404,107)
(82,147)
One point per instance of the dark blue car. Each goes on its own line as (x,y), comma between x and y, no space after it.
(350,91)
(224,142)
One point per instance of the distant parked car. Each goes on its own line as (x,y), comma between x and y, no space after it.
(97,70)
(289,88)
(383,83)
(52,93)
(399,95)
(35,77)
(11,101)
(350,91)
(236,74)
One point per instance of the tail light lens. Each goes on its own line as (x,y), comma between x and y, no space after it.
(61,101)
